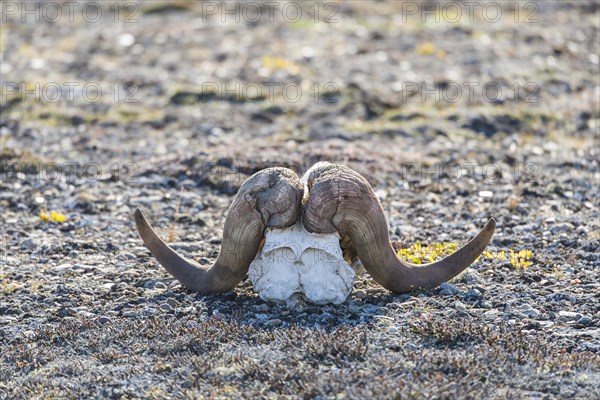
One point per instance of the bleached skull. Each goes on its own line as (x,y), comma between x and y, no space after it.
(309,227)
(294,261)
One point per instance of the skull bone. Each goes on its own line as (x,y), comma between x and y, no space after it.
(294,261)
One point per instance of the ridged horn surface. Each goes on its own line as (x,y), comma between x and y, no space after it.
(341,199)
(269,198)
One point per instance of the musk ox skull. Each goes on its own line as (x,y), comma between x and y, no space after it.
(297,236)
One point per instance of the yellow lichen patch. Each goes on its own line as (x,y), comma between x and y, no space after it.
(521,258)
(36,284)
(428,49)
(419,254)
(52,216)
(7,286)
(280,64)
(518,259)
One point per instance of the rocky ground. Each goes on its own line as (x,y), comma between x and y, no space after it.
(166,107)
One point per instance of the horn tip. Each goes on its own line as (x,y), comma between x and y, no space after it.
(138,213)
(491,224)
(140,220)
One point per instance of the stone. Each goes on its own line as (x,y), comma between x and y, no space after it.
(172,302)
(561,227)
(565,316)
(66,312)
(354,308)
(448,289)
(274,322)
(491,314)
(528,311)
(28,244)
(160,285)
(263,307)
(129,313)
(486,305)
(473,294)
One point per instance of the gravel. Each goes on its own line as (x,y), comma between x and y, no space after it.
(86,312)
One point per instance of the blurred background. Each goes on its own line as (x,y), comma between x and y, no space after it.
(141,81)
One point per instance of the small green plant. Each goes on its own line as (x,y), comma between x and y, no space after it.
(36,285)
(52,216)
(421,254)
(518,259)
(273,63)
(557,272)
(7,286)
(521,258)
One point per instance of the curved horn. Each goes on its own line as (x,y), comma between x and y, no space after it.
(341,199)
(269,198)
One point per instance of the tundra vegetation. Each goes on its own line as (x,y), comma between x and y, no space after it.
(87,312)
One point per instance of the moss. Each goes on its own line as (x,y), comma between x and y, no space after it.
(303,24)
(163,7)
(130,114)
(190,97)
(53,115)
(419,254)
